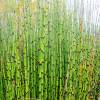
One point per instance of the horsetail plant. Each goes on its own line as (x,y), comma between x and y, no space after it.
(45,53)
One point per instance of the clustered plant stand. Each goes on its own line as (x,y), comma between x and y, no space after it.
(45,54)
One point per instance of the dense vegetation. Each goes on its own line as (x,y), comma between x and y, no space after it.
(45,53)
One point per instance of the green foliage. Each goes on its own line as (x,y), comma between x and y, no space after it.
(44,55)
